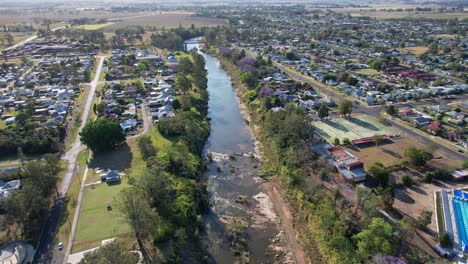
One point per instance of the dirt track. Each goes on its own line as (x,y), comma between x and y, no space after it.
(285,213)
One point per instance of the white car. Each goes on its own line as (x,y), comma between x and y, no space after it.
(60,246)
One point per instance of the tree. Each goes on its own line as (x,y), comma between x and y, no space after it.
(345,107)
(111,253)
(183,83)
(379,174)
(145,145)
(290,55)
(249,79)
(391,110)
(323,175)
(336,141)
(10,39)
(132,205)
(388,197)
(407,180)
(377,139)
(102,134)
(417,157)
(100,109)
(185,65)
(363,194)
(407,229)
(376,238)
(346,141)
(424,219)
(87,75)
(323,111)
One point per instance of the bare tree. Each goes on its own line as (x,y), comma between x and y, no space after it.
(135,209)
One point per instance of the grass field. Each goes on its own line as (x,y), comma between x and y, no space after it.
(416,50)
(17,37)
(167,20)
(96,223)
(368,71)
(353,128)
(93,26)
(385,15)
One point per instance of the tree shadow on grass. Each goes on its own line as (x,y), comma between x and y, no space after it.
(119,159)
(336,125)
(403,196)
(362,123)
(392,153)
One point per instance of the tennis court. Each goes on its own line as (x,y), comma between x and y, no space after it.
(352,128)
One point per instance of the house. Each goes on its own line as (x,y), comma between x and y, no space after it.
(129,125)
(349,166)
(420,121)
(6,188)
(434,128)
(406,113)
(112,176)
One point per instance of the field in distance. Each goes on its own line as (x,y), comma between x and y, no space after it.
(167,20)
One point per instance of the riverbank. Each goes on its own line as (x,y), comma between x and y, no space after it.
(270,186)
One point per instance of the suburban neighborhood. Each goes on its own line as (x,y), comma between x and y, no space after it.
(233,132)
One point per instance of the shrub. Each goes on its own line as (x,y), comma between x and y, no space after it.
(407,180)
(444,240)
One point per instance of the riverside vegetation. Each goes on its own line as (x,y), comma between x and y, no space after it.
(330,230)
(166,218)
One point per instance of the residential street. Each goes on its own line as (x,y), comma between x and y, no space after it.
(47,251)
(376,110)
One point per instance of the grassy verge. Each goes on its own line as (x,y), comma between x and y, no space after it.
(440,215)
(66,216)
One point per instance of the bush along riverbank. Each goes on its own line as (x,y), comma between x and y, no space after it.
(325,224)
(173,183)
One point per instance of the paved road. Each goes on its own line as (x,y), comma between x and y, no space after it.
(376,110)
(146,122)
(47,250)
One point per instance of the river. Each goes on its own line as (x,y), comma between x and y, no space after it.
(232,176)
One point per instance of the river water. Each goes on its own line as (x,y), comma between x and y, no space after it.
(233,174)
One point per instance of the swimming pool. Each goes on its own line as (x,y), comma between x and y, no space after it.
(460,207)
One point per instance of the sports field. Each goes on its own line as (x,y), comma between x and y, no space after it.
(351,128)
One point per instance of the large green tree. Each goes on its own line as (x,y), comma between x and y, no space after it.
(183,83)
(102,134)
(417,157)
(345,107)
(323,111)
(379,174)
(376,238)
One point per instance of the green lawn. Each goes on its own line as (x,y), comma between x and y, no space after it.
(368,71)
(94,26)
(96,223)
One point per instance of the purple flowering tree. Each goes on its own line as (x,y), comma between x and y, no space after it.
(246,64)
(265,91)
(226,51)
